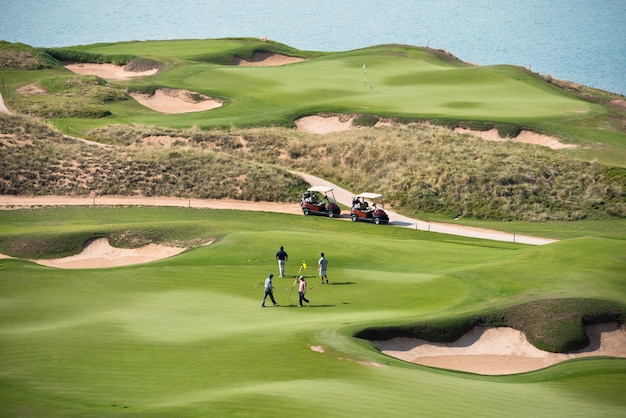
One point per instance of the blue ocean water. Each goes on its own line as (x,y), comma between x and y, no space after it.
(578,40)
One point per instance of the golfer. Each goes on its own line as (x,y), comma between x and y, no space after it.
(269,291)
(302,292)
(322,263)
(281,257)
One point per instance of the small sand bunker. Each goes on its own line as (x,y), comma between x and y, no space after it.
(267,59)
(499,351)
(176,101)
(323,124)
(109,71)
(99,254)
(526,137)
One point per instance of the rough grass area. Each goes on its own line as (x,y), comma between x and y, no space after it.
(37,163)
(418,169)
(24,57)
(555,325)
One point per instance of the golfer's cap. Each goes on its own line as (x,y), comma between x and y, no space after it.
(301,277)
(270,275)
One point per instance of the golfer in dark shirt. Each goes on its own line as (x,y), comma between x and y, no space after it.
(281,257)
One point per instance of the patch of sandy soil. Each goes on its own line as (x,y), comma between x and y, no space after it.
(100,254)
(524,136)
(619,103)
(267,59)
(30,89)
(174,101)
(499,351)
(108,71)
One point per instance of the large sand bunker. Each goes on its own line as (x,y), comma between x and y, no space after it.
(526,137)
(176,101)
(99,254)
(498,351)
(319,124)
(108,71)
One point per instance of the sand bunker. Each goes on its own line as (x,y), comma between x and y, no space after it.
(3,108)
(164,100)
(498,351)
(319,124)
(323,124)
(526,137)
(176,101)
(99,254)
(267,59)
(109,71)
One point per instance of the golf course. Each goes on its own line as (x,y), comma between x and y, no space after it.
(412,322)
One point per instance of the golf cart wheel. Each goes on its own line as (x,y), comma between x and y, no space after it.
(354,217)
(306,211)
(377,221)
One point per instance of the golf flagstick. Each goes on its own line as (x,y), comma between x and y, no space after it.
(302,266)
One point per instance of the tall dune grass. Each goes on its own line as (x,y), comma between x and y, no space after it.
(418,168)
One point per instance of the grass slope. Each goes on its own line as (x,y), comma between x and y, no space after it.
(186,336)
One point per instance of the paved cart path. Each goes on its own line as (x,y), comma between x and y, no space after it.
(344,196)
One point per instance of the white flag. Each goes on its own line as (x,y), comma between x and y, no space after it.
(364,68)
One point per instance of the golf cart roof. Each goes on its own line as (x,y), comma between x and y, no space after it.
(370,195)
(321,189)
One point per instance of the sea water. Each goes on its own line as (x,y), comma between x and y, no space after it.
(578,40)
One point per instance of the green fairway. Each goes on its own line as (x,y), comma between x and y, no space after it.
(399,81)
(186,336)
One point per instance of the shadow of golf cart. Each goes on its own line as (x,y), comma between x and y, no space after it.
(319,200)
(369,207)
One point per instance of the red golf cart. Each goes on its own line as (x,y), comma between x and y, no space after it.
(369,210)
(319,200)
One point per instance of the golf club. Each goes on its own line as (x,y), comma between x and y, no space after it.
(291,291)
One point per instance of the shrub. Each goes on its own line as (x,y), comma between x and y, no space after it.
(365,120)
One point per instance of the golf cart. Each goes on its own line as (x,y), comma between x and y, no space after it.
(362,210)
(319,200)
